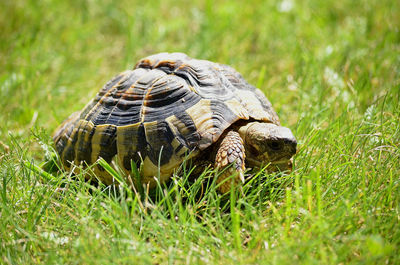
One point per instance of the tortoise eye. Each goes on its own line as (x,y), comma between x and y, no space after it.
(275,146)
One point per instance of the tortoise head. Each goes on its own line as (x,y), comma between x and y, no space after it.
(268,143)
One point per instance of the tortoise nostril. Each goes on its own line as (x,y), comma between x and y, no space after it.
(292,144)
(294,149)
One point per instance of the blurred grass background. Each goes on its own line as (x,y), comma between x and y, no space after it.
(330,68)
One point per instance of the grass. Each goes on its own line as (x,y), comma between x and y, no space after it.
(331,70)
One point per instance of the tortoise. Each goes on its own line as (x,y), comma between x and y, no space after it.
(171,107)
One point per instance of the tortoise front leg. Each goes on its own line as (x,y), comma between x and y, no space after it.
(230,154)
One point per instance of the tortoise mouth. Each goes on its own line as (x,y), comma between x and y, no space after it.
(253,162)
(258,163)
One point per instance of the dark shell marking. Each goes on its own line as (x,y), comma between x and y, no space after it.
(167,107)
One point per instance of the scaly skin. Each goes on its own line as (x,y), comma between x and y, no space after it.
(230,159)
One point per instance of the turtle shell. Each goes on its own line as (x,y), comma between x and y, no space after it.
(169,107)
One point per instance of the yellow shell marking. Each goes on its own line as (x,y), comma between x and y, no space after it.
(237,108)
(201,115)
(250,102)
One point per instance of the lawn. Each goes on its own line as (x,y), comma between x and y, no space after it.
(332,72)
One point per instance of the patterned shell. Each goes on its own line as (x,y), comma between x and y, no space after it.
(170,106)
